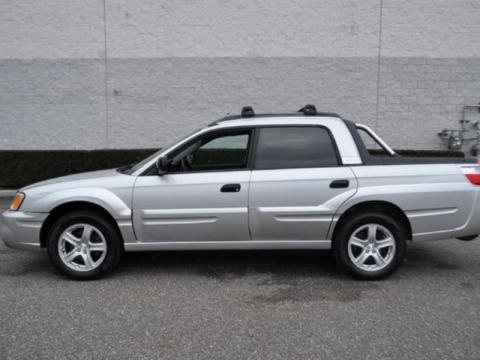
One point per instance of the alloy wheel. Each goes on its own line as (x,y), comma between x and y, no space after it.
(371,247)
(82,247)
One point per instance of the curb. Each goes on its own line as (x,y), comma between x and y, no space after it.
(7,193)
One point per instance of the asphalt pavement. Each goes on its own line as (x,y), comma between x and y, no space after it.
(243,305)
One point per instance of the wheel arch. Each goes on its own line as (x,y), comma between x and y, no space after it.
(70,206)
(381,206)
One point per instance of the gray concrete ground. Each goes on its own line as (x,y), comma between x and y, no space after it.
(244,305)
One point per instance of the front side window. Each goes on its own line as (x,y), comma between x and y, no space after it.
(214,152)
(295,147)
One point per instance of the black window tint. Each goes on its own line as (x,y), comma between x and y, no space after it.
(228,151)
(213,152)
(295,147)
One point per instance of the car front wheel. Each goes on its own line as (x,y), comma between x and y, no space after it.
(84,245)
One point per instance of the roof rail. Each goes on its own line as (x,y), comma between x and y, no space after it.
(247,112)
(308,110)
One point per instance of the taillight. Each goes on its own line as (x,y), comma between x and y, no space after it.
(473,178)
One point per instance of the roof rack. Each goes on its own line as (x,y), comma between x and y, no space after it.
(308,110)
(247,112)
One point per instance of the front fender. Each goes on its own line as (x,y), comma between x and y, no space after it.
(115,204)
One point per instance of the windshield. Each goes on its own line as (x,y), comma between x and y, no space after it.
(136,167)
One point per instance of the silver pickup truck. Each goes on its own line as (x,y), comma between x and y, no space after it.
(286,181)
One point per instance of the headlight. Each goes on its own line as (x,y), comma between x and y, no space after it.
(17,201)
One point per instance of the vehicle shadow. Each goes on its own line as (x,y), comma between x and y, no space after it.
(319,263)
(287,276)
(230,264)
(259,276)
(420,260)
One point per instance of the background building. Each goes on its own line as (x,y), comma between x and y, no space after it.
(84,74)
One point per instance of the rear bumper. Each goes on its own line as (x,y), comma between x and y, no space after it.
(21,230)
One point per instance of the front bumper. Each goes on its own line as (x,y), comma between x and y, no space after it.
(21,230)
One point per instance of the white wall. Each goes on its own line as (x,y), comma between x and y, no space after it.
(118,74)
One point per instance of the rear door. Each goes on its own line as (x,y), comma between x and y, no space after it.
(297,183)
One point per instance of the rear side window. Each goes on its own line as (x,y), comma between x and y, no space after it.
(295,147)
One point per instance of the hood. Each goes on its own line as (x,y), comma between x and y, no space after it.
(91,176)
(104,187)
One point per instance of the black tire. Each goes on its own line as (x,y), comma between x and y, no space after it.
(341,243)
(114,244)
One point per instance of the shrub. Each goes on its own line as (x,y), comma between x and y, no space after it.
(23,167)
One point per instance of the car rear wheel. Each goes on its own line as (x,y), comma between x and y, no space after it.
(84,245)
(370,246)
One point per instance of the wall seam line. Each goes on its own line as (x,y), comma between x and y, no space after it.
(107,135)
(379,64)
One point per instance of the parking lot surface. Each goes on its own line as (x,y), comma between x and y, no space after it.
(243,305)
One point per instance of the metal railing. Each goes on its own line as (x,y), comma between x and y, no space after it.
(457,138)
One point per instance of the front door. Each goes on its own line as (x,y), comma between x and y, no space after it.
(204,194)
(297,184)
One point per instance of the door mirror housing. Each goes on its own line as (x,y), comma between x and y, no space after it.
(162,165)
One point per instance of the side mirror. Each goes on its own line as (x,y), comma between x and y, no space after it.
(162,165)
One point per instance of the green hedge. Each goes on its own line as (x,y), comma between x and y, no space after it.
(422,153)
(23,167)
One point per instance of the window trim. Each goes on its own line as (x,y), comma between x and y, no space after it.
(252,148)
(329,133)
(212,133)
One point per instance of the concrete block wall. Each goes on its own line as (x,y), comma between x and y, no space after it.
(84,74)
